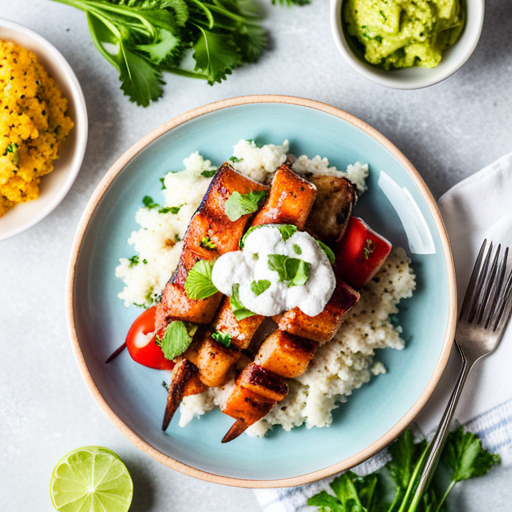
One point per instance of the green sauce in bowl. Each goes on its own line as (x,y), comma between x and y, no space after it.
(404,33)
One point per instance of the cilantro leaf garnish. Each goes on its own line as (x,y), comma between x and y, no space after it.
(392,488)
(238,204)
(328,252)
(224,338)
(177,338)
(292,270)
(148,202)
(162,181)
(239,310)
(297,249)
(286,230)
(199,284)
(234,159)
(258,287)
(207,243)
(208,174)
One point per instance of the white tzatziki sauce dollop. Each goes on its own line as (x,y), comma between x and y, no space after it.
(251,264)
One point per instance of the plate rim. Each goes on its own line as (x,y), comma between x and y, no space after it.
(345,464)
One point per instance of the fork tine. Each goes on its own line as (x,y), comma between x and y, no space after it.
(479,285)
(472,282)
(505,306)
(499,283)
(490,286)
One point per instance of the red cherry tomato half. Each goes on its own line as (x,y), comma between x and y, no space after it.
(360,254)
(141,345)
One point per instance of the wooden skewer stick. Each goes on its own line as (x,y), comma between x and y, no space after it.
(181,374)
(239,427)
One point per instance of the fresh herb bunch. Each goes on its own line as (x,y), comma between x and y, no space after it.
(144,38)
(391,489)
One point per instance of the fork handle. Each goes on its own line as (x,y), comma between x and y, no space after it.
(441,434)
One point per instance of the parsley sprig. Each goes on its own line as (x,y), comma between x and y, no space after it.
(391,488)
(144,38)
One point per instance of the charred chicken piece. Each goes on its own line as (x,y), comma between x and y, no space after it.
(285,354)
(263,382)
(241,331)
(290,201)
(331,211)
(324,326)
(211,233)
(213,360)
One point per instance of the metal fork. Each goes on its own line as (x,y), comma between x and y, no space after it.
(483,317)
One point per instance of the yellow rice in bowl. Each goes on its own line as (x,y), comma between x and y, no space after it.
(33,124)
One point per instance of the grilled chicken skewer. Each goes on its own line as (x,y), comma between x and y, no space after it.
(290,201)
(209,224)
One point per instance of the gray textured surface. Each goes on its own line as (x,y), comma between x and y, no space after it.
(448,131)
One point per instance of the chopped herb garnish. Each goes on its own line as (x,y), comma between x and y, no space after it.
(238,204)
(292,270)
(258,287)
(134,260)
(209,174)
(199,284)
(234,159)
(297,249)
(149,203)
(145,261)
(177,238)
(207,244)
(224,338)
(239,310)
(177,338)
(165,385)
(13,149)
(328,252)
(170,209)
(162,181)
(369,247)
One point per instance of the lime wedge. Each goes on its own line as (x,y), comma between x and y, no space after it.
(91,479)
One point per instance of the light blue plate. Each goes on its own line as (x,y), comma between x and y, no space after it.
(133,395)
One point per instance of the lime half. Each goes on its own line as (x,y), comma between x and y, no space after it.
(91,479)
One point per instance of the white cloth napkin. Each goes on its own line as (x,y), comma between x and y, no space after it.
(476,208)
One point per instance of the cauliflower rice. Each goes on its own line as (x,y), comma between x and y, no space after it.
(340,366)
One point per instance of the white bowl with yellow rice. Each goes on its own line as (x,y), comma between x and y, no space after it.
(41,106)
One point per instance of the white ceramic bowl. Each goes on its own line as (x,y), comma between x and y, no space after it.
(414,78)
(55,185)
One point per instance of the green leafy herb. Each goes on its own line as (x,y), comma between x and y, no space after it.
(162,181)
(297,249)
(177,238)
(258,287)
(286,230)
(209,174)
(391,489)
(199,284)
(289,3)
(293,270)
(222,337)
(239,310)
(145,261)
(13,149)
(170,209)
(177,338)
(134,260)
(234,159)
(148,202)
(328,252)
(206,243)
(238,204)
(144,38)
